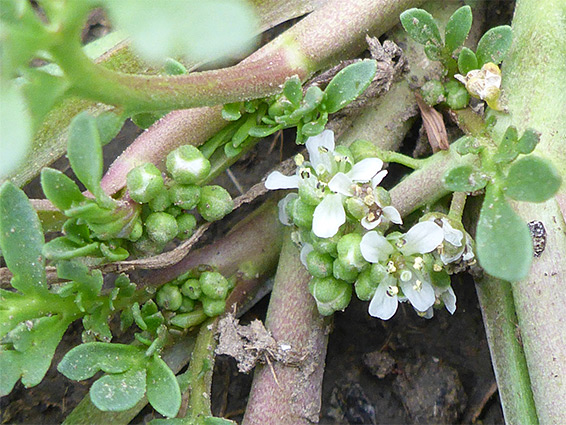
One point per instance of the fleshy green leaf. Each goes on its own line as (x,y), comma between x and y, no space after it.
(457,28)
(173,67)
(83,361)
(507,150)
(15,129)
(60,189)
(313,98)
(467,61)
(261,131)
(494,45)
(21,239)
(348,84)
(465,179)
(32,364)
(90,280)
(503,240)
(42,92)
(293,90)
(421,26)
(162,388)
(85,151)
(109,125)
(62,248)
(199,30)
(118,392)
(528,141)
(145,120)
(532,179)
(231,111)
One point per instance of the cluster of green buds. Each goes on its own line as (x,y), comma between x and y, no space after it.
(193,296)
(341,214)
(479,70)
(306,109)
(167,202)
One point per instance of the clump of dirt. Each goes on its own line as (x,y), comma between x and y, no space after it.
(252,344)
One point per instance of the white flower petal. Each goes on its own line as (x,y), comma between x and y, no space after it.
(328,216)
(283,217)
(383,305)
(449,299)
(423,237)
(375,248)
(420,295)
(370,224)
(452,235)
(277,180)
(305,250)
(378,178)
(341,183)
(391,214)
(429,314)
(313,144)
(447,259)
(460,78)
(364,170)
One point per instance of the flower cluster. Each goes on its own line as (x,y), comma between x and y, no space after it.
(338,210)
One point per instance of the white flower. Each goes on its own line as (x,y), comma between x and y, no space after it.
(422,238)
(384,302)
(328,216)
(277,180)
(453,250)
(417,289)
(369,171)
(321,153)
(447,297)
(283,216)
(375,247)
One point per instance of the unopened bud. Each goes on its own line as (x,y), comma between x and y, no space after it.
(169,297)
(215,202)
(161,227)
(319,264)
(214,285)
(186,224)
(187,165)
(185,196)
(330,294)
(144,182)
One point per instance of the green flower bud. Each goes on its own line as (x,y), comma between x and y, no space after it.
(378,272)
(161,227)
(144,182)
(326,245)
(137,231)
(174,210)
(169,297)
(382,196)
(185,196)
(215,202)
(187,305)
(214,285)
(310,194)
(187,165)
(191,289)
(432,92)
(457,97)
(349,251)
(145,246)
(302,213)
(365,286)
(186,224)
(362,149)
(319,264)
(160,202)
(343,271)
(187,320)
(356,207)
(213,307)
(330,294)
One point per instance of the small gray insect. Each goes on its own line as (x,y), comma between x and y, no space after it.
(538,233)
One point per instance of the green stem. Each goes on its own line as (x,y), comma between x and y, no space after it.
(399,158)
(457,205)
(200,372)
(509,363)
